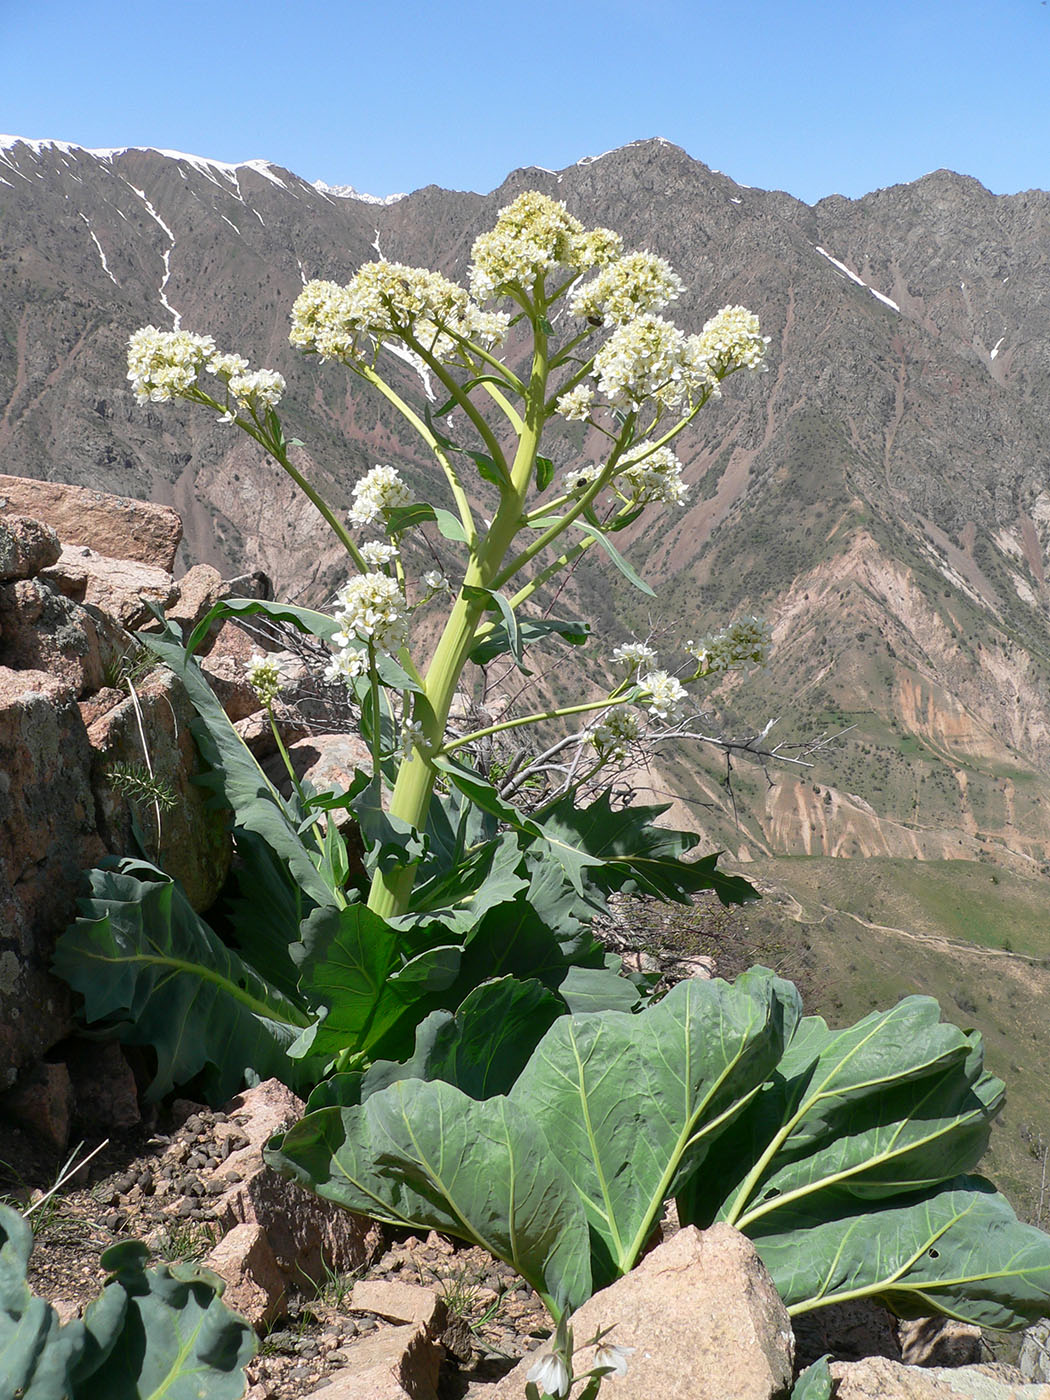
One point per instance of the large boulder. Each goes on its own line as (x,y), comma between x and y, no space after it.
(703,1318)
(114,525)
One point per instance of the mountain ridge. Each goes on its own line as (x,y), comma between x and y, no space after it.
(892,465)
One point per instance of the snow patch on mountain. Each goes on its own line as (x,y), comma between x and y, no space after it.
(888,301)
(348,192)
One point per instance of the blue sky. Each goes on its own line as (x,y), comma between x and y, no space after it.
(808,96)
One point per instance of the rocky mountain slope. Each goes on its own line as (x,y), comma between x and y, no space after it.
(881,495)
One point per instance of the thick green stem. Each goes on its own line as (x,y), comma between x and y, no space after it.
(410,801)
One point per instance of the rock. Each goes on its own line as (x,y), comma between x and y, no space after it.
(26,547)
(323,760)
(697,965)
(47,838)
(43,1100)
(258,737)
(396,1363)
(104,1091)
(199,589)
(228,677)
(704,1319)
(114,525)
(123,588)
(1034,1360)
(401,1302)
(41,630)
(939,1341)
(255,1286)
(879,1378)
(194,844)
(307,1234)
(67,578)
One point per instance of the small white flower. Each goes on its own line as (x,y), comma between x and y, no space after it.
(412,738)
(551,1375)
(437,582)
(633,655)
(615,1357)
(262,388)
(347,664)
(579,478)
(576,404)
(664,694)
(227,365)
(376,553)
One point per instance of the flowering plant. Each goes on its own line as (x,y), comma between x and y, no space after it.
(632,377)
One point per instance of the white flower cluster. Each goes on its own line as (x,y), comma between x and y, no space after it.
(664,694)
(634,655)
(649,358)
(436,581)
(162,365)
(347,664)
(371,609)
(615,733)
(384,301)
(532,236)
(576,404)
(376,553)
(656,477)
(378,490)
(633,285)
(742,644)
(264,677)
(732,340)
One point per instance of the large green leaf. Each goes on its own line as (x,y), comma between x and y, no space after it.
(177,1340)
(627,852)
(458,896)
(425,1155)
(264,911)
(235,774)
(353,963)
(142,958)
(958,1249)
(159,1334)
(631,1105)
(896,1102)
(608,1114)
(530,630)
(36,1351)
(482,1047)
(307,620)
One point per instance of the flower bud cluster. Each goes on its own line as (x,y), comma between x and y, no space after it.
(387,301)
(613,735)
(742,644)
(379,490)
(635,284)
(264,677)
(164,365)
(531,237)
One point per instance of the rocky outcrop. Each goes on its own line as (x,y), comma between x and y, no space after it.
(79,697)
